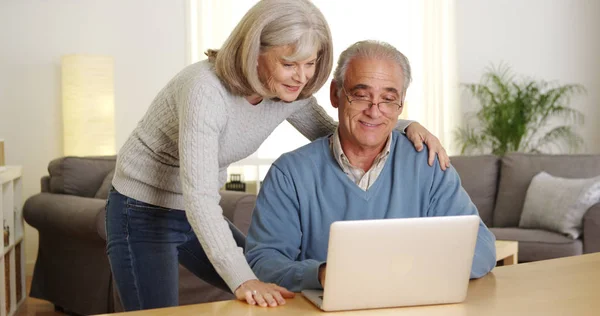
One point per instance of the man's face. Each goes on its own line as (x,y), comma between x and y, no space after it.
(376,80)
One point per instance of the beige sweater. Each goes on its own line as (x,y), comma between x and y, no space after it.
(178,154)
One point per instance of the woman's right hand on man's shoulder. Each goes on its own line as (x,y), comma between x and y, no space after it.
(264,294)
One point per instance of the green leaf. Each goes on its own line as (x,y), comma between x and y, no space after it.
(514,113)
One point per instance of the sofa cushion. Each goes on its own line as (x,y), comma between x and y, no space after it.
(517,170)
(81,176)
(238,207)
(558,204)
(479,177)
(535,244)
(105,186)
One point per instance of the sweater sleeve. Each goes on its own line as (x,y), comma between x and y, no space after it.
(274,238)
(200,122)
(313,122)
(449,198)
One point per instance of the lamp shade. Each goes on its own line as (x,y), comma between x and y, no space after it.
(88,105)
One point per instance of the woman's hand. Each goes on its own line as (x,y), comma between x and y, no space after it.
(264,294)
(418,134)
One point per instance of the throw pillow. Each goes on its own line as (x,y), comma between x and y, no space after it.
(558,204)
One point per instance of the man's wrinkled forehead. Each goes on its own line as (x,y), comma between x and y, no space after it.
(363,73)
(362,86)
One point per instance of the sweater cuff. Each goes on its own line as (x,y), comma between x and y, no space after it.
(237,274)
(310,279)
(401,125)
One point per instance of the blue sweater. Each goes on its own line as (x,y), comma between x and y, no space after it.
(306,190)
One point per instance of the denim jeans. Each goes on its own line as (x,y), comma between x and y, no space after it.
(145,244)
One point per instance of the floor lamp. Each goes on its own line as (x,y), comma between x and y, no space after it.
(88,105)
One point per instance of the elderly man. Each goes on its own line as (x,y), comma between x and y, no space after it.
(365,170)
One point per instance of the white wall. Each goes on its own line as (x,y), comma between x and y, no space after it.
(146,39)
(553,40)
(548,39)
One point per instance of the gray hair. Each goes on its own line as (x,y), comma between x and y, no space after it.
(267,24)
(371,49)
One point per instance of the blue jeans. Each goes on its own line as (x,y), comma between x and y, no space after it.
(145,244)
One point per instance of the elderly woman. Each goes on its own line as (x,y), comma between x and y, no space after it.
(164,206)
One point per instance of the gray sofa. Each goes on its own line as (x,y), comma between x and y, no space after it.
(72,269)
(498,187)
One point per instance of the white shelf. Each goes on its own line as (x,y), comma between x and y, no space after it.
(13,255)
(12,245)
(10,173)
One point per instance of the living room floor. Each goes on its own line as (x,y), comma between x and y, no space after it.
(33,306)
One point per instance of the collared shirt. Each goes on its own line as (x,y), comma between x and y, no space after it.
(363,179)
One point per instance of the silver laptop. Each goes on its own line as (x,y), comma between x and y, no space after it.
(397,262)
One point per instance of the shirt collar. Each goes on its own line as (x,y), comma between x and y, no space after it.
(338,153)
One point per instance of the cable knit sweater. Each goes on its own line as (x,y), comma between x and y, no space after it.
(178,154)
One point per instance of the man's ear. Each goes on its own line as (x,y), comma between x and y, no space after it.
(333,95)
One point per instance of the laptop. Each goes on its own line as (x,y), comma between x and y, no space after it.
(397,262)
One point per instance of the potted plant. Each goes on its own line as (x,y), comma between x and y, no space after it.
(524,116)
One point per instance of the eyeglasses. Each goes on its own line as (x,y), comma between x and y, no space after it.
(363,104)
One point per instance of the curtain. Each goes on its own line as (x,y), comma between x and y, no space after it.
(209,23)
(441,108)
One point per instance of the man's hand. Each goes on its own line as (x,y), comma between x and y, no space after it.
(264,294)
(418,135)
(322,272)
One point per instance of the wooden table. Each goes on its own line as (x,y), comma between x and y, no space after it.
(565,286)
(507,251)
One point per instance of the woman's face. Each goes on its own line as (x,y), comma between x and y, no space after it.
(285,79)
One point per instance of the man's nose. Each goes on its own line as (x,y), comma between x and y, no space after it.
(373,111)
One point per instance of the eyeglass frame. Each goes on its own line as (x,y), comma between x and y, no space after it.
(371,103)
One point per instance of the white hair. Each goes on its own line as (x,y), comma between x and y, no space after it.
(270,23)
(371,49)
